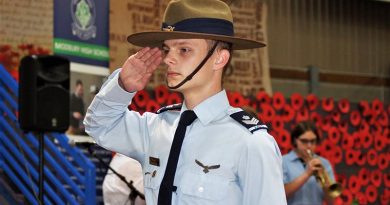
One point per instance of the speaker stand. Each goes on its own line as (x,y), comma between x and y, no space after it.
(41,166)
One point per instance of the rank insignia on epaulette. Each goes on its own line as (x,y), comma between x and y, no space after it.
(248,121)
(169,107)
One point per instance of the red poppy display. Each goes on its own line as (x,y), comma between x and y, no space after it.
(152,106)
(354,184)
(376,177)
(268,112)
(365,108)
(278,100)
(334,135)
(161,93)
(327,104)
(302,115)
(372,157)
(287,113)
(383,162)
(354,118)
(337,155)
(263,98)
(336,116)
(347,141)
(344,106)
(174,98)
(284,138)
(347,196)
(360,158)
(386,179)
(377,106)
(364,176)
(361,198)
(237,100)
(296,101)
(343,126)
(312,101)
(383,119)
(366,138)
(385,197)
(350,157)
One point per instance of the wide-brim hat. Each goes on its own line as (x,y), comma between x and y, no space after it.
(195,19)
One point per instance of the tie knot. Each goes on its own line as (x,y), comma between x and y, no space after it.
(187,117)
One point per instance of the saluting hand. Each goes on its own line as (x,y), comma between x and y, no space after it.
(138,69)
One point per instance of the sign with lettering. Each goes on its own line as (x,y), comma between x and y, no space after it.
(81,31)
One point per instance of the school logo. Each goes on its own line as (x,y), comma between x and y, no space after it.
(83,15)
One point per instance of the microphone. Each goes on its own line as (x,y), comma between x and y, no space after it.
(133,191)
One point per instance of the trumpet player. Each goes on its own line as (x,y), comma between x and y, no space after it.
(302,169)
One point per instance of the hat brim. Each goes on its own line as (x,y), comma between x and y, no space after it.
(156,39)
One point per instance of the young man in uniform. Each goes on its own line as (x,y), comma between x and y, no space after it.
(203,151)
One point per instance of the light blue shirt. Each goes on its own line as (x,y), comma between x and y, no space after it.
(250,169)
(311,192)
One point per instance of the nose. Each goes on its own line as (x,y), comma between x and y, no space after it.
(310,144)
(169,58)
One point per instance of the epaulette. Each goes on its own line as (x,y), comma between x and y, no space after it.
(248,121)
(169,107)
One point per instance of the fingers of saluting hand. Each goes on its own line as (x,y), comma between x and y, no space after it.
(146,59)
(147,54)
(139,67)
(154,58)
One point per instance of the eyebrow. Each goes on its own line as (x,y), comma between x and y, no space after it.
(180,43)
(307,139)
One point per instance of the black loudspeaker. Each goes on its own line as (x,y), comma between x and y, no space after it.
(44,93)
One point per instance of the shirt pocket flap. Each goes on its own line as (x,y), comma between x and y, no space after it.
(206,186)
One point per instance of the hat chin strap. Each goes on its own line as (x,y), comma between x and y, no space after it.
(189,77)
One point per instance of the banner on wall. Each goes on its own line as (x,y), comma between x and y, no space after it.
(249,70)
(81,31)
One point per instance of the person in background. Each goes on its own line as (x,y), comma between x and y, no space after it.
(203,151)
(115,191)
(77,111)
(301,169)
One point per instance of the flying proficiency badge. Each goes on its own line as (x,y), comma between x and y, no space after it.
(248,121)
(207,168)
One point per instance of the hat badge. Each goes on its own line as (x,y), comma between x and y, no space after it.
(169,28)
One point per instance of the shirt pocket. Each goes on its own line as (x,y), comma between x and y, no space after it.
(204,186)
(152,177)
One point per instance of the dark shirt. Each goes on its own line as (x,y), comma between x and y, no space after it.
(76,105)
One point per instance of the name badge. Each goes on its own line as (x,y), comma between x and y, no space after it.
(154,161)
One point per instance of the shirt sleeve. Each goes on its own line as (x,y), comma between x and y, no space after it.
(260,171)
(112,125)
(285,171)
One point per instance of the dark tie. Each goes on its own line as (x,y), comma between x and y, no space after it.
(166,187)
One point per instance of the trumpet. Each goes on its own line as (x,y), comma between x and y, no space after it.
(331,188)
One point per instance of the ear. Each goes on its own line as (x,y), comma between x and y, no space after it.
(222,59)
(219,60)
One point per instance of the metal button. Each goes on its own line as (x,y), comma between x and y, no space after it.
(200,189)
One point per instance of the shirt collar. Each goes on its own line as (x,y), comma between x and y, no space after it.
(293,156)
(211,108)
